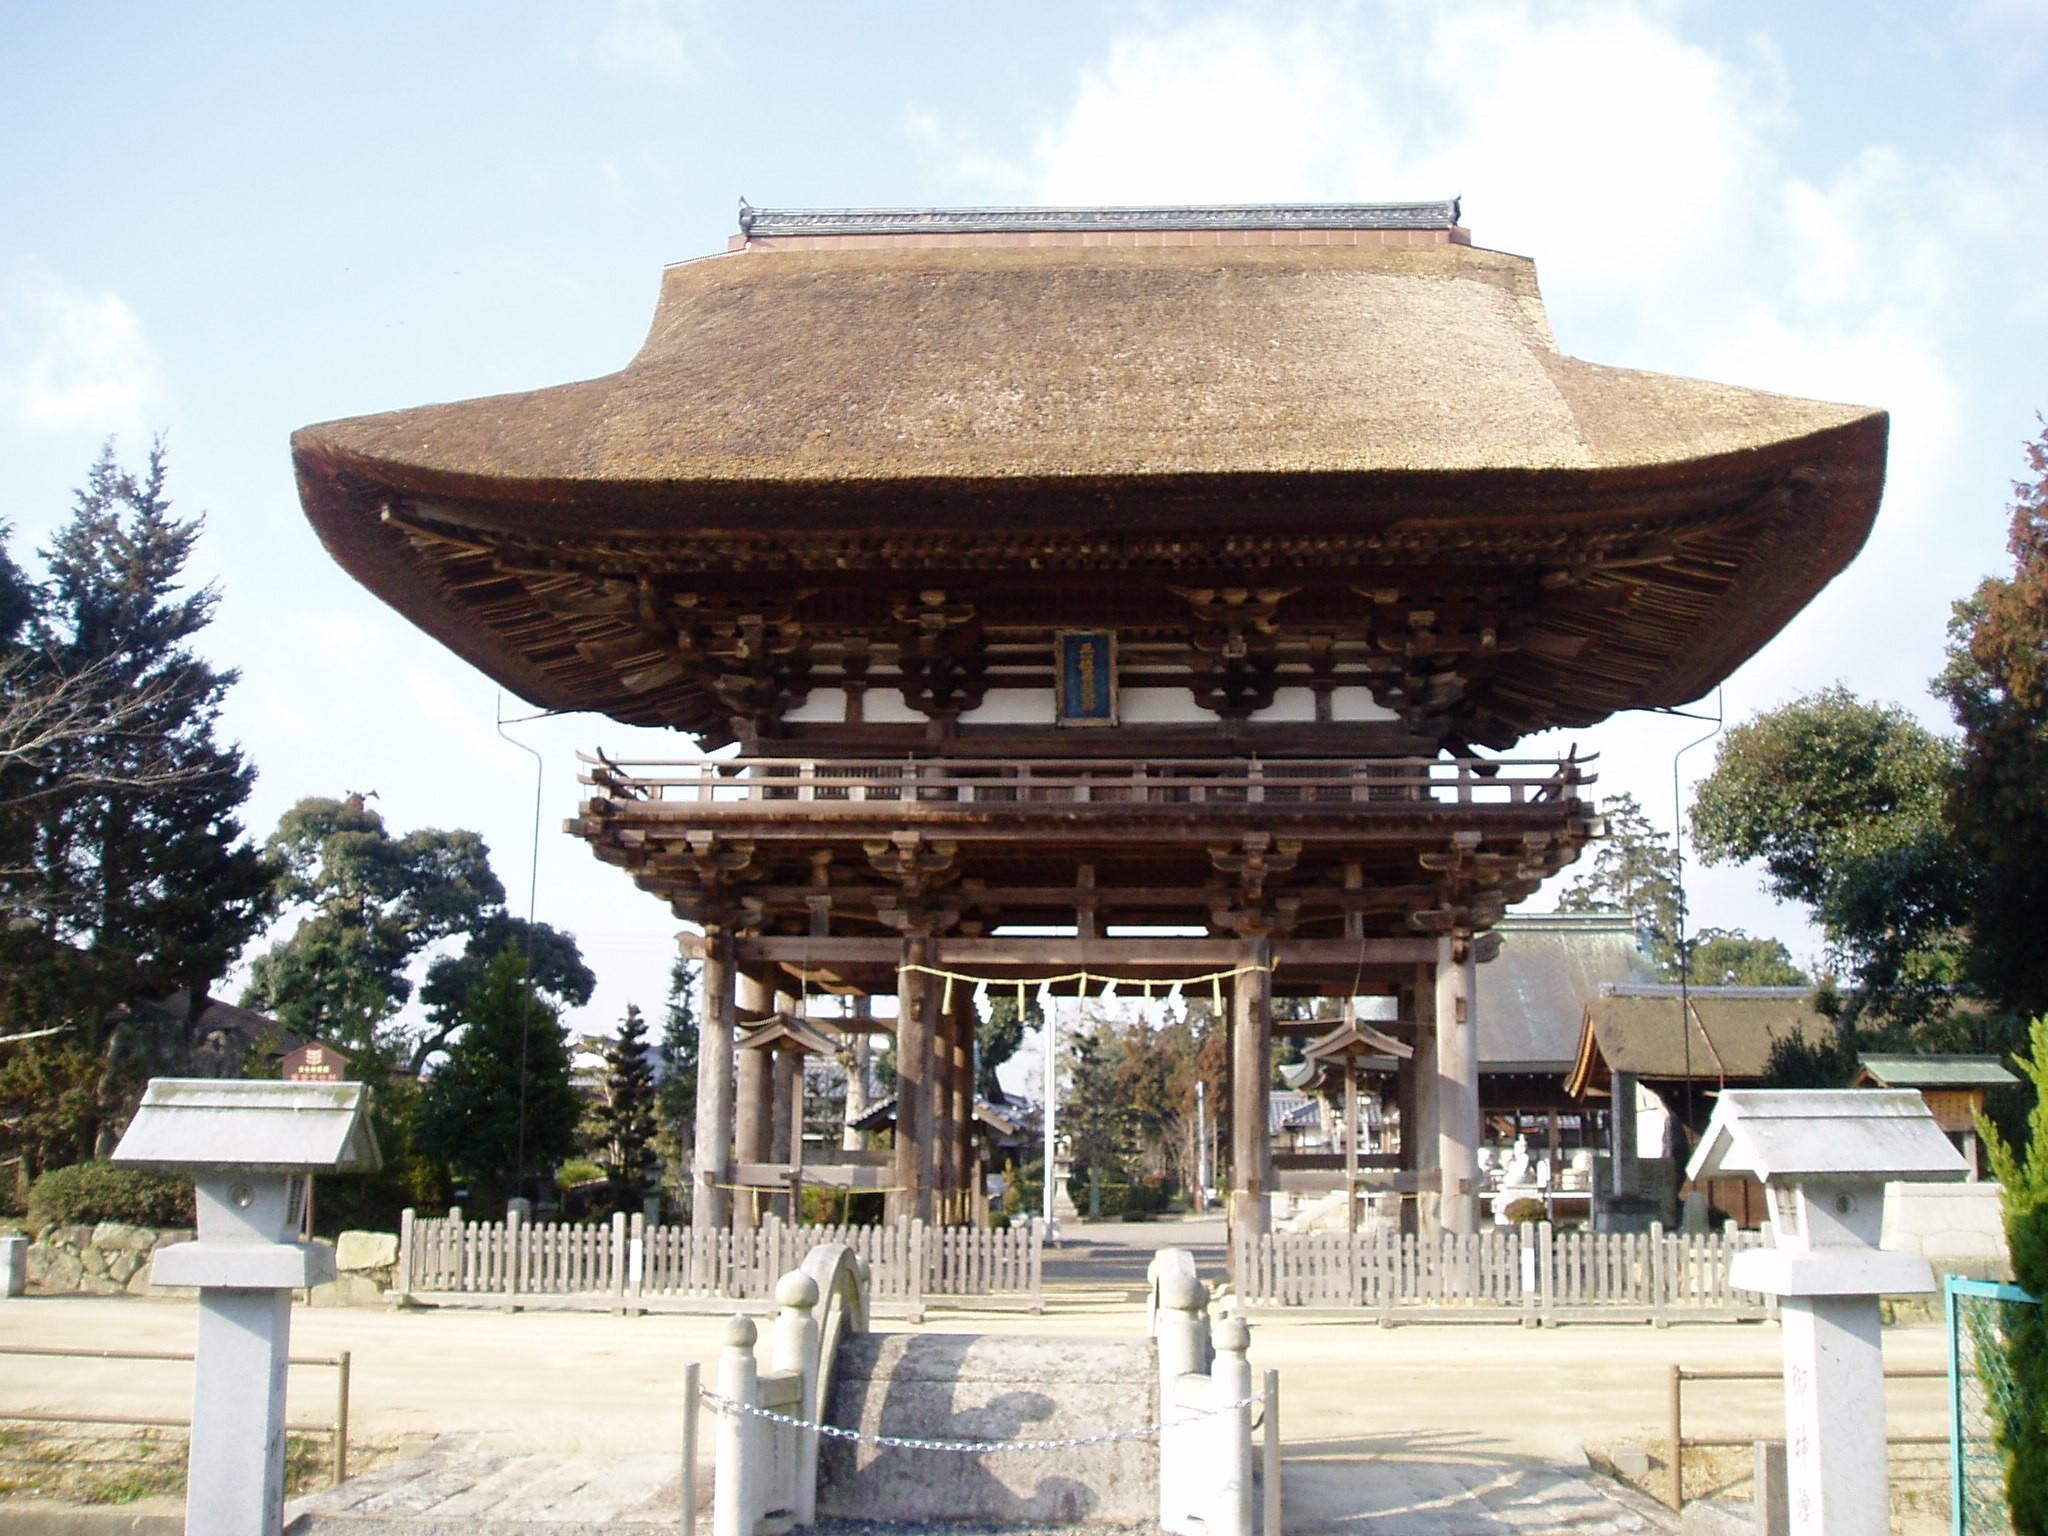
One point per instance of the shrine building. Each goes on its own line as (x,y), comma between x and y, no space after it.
(1141,592)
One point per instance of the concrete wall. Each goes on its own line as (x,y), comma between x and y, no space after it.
(1956,1227)
(112,1259)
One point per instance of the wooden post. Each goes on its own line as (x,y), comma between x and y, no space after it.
(402,1292)
(751,1112)
(341,1418)
(1251,1144)
(945,1144)
(1457,1085)
(911,1199)
(1350,1069)
(786,1076)
(711,1203)
(796,1137)
(966,1177)
(1677,1484)
(1428,1151)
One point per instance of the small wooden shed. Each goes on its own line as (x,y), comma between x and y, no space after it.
(1953,1086)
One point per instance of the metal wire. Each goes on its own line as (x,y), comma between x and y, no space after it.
(969,1447)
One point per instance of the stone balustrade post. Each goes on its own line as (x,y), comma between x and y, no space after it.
(1182,1329)
(13,1264)
(795,1345)
(1230,1436)
(737,1465)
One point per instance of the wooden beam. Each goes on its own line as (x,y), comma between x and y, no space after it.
(970,955)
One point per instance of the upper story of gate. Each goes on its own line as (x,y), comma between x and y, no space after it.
(1121,484)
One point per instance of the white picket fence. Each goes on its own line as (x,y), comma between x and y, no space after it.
(1529,1274)
(630,1266)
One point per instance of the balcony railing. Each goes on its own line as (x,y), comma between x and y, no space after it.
(826,786)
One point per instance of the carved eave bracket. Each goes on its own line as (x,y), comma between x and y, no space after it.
(1236,639)
(940,651)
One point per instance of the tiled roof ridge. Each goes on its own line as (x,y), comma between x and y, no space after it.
(765,222)
(1671,989)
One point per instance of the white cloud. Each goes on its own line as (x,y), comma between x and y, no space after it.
(646,37)
(70,357)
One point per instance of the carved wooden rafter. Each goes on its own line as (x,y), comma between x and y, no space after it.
(1255,868)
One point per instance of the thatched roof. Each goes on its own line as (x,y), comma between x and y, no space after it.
(1405,403)
(1727,1039)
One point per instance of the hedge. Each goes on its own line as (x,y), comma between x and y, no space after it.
(92,1192)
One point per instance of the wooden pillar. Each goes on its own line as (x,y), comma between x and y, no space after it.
(710,1204)
(1251,1143)
(967,1173)
(912,1197)
(784,1096)
(856,1059)
(945,1144)
(751,1111)
(1457,1087)
(1428,1153)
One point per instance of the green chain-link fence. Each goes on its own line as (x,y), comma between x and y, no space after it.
(1982,1393)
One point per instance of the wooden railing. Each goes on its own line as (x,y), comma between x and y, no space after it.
(629,1266)
(824,785)
(1529,1274)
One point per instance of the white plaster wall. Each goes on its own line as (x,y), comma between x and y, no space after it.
(1350,702)
(1012,706)
(1160,706)
(1946,1223)
(1289,704)
(1653,1122)
(885,706)
(823,705)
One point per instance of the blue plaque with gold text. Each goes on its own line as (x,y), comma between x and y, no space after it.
(1086,669)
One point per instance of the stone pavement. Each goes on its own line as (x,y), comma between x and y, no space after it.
(1369,1487)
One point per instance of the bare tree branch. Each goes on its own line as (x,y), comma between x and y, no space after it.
(42,714)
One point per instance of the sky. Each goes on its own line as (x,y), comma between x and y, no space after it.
(221,222)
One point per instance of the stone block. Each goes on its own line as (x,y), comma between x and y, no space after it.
(366,1250)
(329,1294)
(169,1236)
(119,1236)
(54,1269)
(1718,1517)
(122,1263)
(1631,1461)
(77,1239)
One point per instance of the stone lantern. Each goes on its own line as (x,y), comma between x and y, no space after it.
(1824,1158)
(249,1147)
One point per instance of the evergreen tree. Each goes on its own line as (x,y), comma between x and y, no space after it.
(369,904)
(503,1104)
(675,1093)
(625,1118)
(2023,1194)
(1634,870)
(126,874)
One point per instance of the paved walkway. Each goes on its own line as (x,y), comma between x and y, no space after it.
(1374,1488)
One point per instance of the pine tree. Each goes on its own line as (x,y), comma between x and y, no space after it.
(503,1104)
(1634,870)
(626,1112)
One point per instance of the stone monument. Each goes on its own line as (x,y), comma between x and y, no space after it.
(1824,1157)
(250,1147)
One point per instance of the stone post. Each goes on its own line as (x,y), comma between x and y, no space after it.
(736,1468)
(1251,1141)
(13,1264)
(857,1053)
(911,1199)
(1457,1083)
(1622,1180)
(1230,1456)
(711,1200)
(1181,1325)
(796,1349)
(945,1137)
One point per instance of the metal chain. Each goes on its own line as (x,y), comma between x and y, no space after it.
(969,1447)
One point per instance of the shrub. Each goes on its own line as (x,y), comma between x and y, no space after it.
(1527,1212)
(577,1172)
(91,1192)
(2023,1193)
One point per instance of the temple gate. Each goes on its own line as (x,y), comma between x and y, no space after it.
(1163,578)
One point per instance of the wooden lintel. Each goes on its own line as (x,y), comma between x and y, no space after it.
(1096,954)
